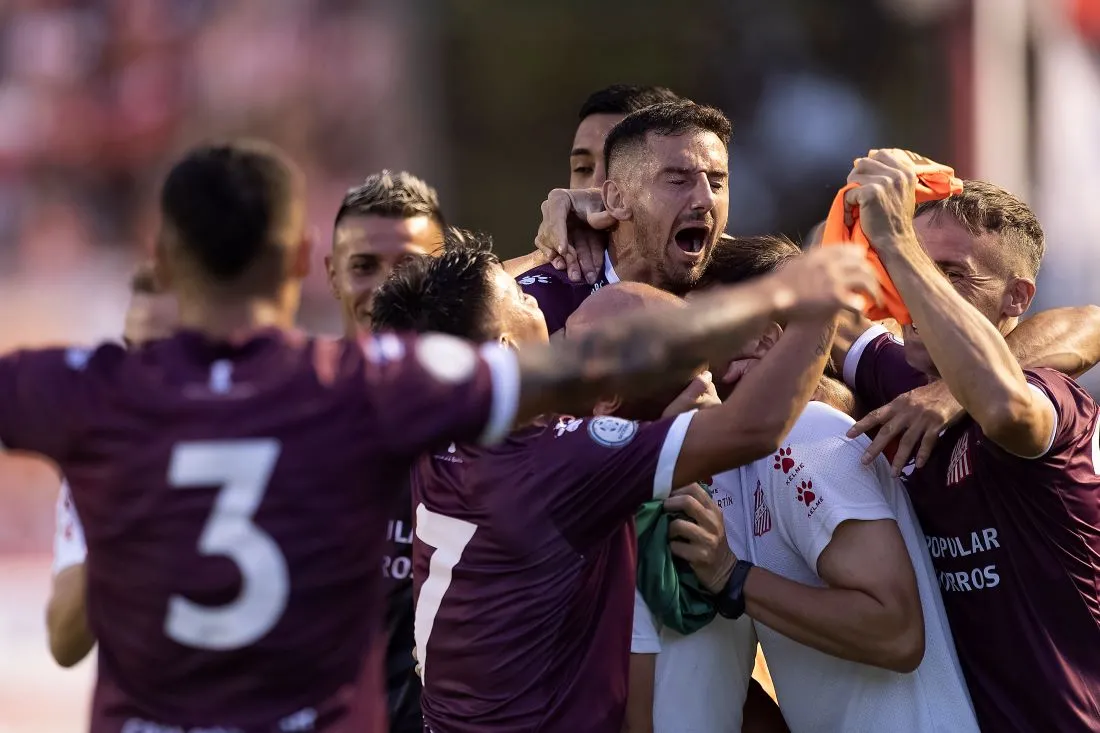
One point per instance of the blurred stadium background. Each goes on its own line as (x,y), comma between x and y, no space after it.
(479,98)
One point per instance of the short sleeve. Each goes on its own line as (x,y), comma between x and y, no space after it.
(68,543)
(828,483)
(430,390)
(39,400)
(1074,412)
(646,637)
(557,297)
(601,469)
(876,370)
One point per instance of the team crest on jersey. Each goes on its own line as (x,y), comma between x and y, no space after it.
(612,432)
(959,468)
(761,515)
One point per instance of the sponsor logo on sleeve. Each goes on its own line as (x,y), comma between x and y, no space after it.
(809,496)
(612,432)
(446,358)
(532,279)
(567,424)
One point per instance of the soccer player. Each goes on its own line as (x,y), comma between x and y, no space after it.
(381,222)
(824,550)
(666,198)
(233,480)
(524,554)
(151,315)
(1007,496)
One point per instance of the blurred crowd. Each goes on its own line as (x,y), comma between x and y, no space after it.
(96,95)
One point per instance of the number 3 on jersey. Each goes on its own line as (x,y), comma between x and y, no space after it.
(449,537)
(242,468)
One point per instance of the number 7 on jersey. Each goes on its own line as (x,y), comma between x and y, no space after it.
(449,537)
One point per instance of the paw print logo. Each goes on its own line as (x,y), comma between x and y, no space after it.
(783,460)
(806,493)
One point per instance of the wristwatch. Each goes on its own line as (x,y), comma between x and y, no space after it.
(731,599)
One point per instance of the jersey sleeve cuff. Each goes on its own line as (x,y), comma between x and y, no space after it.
(855,353)
(504,371)
(670,453)
(1041,393)
(821,538)
(644,637)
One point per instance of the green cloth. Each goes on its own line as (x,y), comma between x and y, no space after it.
(668,585)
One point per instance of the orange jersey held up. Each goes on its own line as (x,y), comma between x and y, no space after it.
(934,182)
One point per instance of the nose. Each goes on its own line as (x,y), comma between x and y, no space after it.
(702,195)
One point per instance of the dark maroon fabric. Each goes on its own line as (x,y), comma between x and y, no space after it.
(150,442)
(883,373)
(557,295)
(533,631)
(1016,546)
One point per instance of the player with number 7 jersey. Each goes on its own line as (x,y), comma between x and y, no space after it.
(523,553)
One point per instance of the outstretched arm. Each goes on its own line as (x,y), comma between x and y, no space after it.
(1063,339)
(629,355)
(969,352)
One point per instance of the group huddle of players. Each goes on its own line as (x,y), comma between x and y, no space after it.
(580,527)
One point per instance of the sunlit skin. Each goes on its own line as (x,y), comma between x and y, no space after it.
(365,250)
(586,169)
(519,318)
(976,272)
(679,183)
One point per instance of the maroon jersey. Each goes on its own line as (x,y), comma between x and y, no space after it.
(524,562)
(234,500)
(557,295)
(1016,545)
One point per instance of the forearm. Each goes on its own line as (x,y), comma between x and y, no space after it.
(519,265)
(629,356)
(66,618)
(1064,339)
(849,624)
(969,352)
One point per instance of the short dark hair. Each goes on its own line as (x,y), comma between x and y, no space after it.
(450,293)
(738,259)
(396,195)
(622,99)
(226,203)
(667,118)
(985,208)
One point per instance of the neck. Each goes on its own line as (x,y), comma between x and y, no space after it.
(225,320)
(1008,325)
(630,264)
(835,395)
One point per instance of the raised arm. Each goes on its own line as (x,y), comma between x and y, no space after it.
(629,355)
(1064,339)
(970,354)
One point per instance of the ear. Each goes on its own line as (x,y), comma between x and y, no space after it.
(614,200)
(608,407)
(507,341)
(770,337)
(1018,296)
(330,270)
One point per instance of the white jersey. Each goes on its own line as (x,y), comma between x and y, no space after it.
(702,679)
(789,505)
(68,541)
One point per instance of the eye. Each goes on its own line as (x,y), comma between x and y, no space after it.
(583,170)
(677,181)
(717,186)
(364,267)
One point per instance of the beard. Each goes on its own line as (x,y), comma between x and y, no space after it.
(652,241)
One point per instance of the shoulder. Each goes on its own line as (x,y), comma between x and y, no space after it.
(67,361)
(544,276)
(821,431)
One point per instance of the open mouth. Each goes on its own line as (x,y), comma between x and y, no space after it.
(692,238)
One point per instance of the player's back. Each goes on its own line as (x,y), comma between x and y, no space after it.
(524,573)
(234,499)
